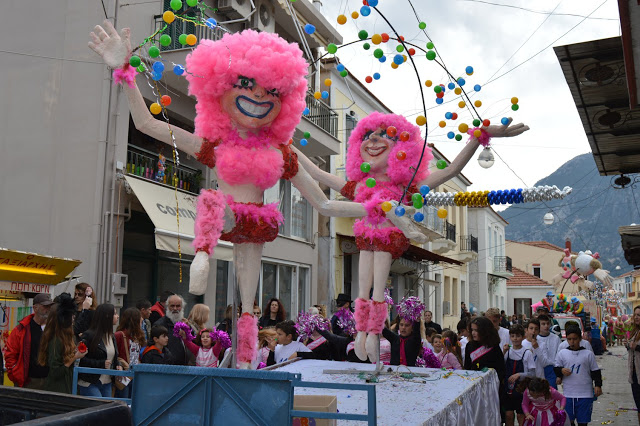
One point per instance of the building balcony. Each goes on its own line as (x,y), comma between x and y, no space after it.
(322,124)
(468,248)
(632,296)
(432,226)
(448,241)
(144,164)
(502,266)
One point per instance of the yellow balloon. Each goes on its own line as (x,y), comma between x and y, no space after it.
(386,206)
(355,15)
(394,65)
(342,19)
(477,133)
(478,103)
(327,82)
(376,39)
(463,127)
(461,104)
(442,123)
(405,58)
(191,40)
(317,95)
(442,213)
(421,120)
(168,17)
(155,108)
(428,83)
(457,90)
(514,100)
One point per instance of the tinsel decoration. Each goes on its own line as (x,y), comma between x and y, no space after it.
(182,326)
(346,321)
(220,336)
(427,359)
(410,308)
(307,323)
(387,297)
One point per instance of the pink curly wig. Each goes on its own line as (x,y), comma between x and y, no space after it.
(399,171)
(214,67)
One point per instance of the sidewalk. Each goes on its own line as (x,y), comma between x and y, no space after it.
(616,391)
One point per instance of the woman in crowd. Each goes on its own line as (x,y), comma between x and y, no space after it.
(198,318)
(129,340)
(57,346)
(102,352)
(274,313)
(633,348)
(86,304)
(483,350)
(226,324)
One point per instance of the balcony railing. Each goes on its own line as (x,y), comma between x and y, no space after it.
(322,116)
(468,243)
(450,230)
(144,164)
(179,27)
(631,294)
(502,264)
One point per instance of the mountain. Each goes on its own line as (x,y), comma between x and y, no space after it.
(589,216)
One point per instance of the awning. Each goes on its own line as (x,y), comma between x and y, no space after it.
(22,269)
(160,204)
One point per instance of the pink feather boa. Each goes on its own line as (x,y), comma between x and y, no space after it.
(239,165)
(209,220)
(126,73)
(362,313)
(377,316)
(484,138)
(362,229)
(269,213)
(247,337)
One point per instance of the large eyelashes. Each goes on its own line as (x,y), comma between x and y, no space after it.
(382,134)
(274,92)
(244,83)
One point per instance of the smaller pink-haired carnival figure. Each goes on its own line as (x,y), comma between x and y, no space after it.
(250,89)
(390,148)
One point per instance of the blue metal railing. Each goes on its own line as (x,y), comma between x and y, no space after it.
(123,373)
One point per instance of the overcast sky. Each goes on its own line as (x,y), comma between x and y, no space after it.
(485,36)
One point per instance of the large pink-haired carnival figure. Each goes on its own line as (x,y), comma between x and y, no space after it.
(250,89)
(392,148)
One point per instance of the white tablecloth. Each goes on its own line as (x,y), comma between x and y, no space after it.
(464,398)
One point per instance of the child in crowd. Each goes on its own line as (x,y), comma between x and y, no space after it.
(447,359)
(576,369)
(540,403)
(551,343)
(519,364)
(584,343)
(451,344)
(483,350)
(266,343)
(463,335)
(318,345)
(427,340)
(205,351)
(288,347)
(156,352)
(532,329)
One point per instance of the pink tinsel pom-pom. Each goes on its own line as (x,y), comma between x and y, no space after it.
(126,73)
(484,138)
(187,330)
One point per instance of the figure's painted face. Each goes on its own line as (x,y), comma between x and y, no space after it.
(249,105)
(375,149)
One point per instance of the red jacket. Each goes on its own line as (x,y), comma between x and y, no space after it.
(17,352)
(159,312)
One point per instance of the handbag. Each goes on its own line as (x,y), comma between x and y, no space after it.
(120,380)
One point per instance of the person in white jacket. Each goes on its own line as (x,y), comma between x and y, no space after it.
(551,343)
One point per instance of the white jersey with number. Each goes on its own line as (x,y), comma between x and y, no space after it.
(551,344)
(583,344)
(581,363)
(283,352)
(539,356)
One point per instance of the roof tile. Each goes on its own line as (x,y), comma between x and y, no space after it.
(521,278)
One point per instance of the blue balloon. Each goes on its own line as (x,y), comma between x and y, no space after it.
(373,3)
(306,111)
(398,59)
(448,116)
(325,94)
(504,121)
(439,101)
(382,59)
(499,192)
(309,29)
(451,135)
(469,70)
(158,66)
(451,86)
(376,76)
(156,76)
(365,11)
(461,82)
(304,142)
(418,217)
(424,189)
(340,67)
(178,70)
(211,23)
(477,87)
(399,211)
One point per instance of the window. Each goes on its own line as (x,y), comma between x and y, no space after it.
(537,271)
(522,306)
(495,243)
(297,211)
(501,302)
(490,245)
(222,288)
(287,282)
(350,124)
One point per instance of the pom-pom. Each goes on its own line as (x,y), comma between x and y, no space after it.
(346,321)
(261,366)
(387,297)
(182,326)
(307,323)
(484,137)
(220,336)
(126,73)
(410,308)
(427,359)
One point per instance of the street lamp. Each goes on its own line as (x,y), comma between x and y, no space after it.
(485,159)
(548,219)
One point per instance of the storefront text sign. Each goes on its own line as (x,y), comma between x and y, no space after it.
(24,287)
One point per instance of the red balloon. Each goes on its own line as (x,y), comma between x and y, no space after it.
(404,136)
(440,95)
(166,100)
(385,37)
(486,122)
(368,79)
(454,116)
(401,155)
(412,51)
(402,38)
(365,2)
(392,131)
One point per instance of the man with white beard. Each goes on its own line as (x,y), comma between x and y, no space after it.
(174,314)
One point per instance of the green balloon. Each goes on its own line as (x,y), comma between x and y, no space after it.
(192,3)
(135,61)
(515,107)
(431,55)
(365,167)
(307,135)
(441,164)
(154,52)
(437,88)
(371,182)
(182,39)
(415,198)
(476,122)
(430,45)
(344,73)
(458,137)
(422,25)
(165,39)
(378,53)
(141,68)
(332,48)
(363,35)
(366,46)
(176,4)
(399,48)
(418,204)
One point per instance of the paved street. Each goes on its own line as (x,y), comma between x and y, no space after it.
(616,391)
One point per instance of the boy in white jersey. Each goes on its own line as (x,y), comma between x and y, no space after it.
(532,328)
(519,364)
(550,342)
(288,347)
(577,370)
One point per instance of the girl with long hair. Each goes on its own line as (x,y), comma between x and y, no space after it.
(102,352)
(274,313)
(129,340)
(198,318)
(540,403)
(57,346)
(86,304)
(483,350)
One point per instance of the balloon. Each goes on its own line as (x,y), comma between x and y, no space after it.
(399,211)
(431,55)
(421,120)
(155,108)
(371,182)
(365,167)
(154,52)
(135,61)
(441,164)
(342,19)
(442,213)
(309,29)
(418,217)
(386,206)
(165,100)
(404,136)
(332,48)
(401,155)
(178,70)
(176,4)
(192,40)
(424,189)
(392,131)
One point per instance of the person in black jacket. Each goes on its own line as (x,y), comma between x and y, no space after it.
(156,352)
(102,353)
(406,345)
(342,302)
(175,313)
(86,303)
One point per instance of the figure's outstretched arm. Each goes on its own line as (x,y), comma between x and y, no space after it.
(332,181)
(441,176)
(115,50)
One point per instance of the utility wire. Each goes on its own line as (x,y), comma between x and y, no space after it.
(540,11)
